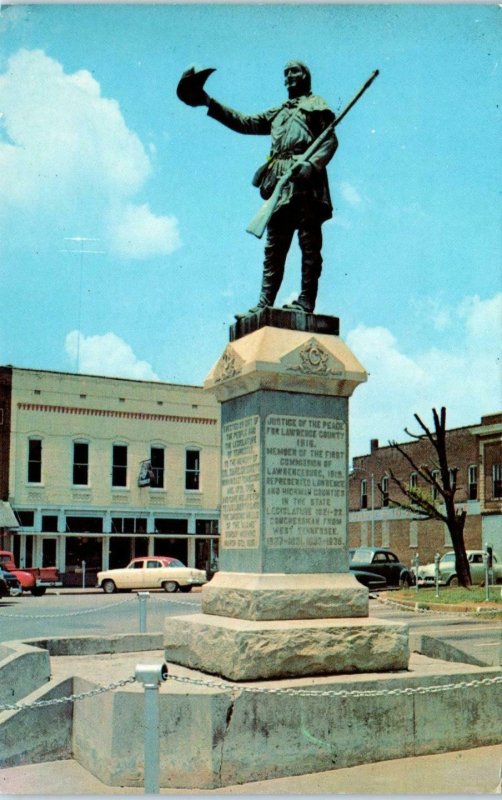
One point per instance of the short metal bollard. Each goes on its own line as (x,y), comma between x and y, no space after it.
(437,559)
(151,675)
(143,599)
(416,562)
(488,562)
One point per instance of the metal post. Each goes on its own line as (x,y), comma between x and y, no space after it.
(436,572)
(372,510)
(83,574)
(143,598)
(151,675)
(486,559)
(416,562)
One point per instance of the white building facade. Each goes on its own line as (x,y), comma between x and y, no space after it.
(98,470)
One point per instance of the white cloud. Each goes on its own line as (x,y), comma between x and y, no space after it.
(134,232)
(463,374)
(106,355)
(350,194)
(67,155)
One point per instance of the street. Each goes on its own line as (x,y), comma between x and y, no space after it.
(76,612)
(73,612)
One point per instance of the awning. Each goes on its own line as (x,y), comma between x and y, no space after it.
(7,516)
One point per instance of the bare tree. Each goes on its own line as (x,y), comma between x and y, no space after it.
(441,483)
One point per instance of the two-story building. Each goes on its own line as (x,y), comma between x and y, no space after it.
(99,469)
(475,452)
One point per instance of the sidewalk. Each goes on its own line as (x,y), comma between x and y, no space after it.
(463,772)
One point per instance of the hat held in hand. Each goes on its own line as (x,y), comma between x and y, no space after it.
(191,85)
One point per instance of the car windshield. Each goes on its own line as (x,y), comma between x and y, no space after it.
(447,558)
(361,556)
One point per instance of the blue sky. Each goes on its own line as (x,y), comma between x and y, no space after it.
(94,143)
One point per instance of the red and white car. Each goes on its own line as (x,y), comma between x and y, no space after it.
(152,572)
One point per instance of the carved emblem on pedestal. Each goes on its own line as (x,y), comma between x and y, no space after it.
(313,359)
(229,365)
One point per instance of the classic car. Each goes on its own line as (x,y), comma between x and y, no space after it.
(382,562)
(152,572)
(9,584)
(448,573)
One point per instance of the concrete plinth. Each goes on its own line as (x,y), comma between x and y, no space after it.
(212,737)
(285,603)
(266,596)
(241,650)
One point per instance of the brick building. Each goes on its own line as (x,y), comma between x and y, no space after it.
(101,469)
(475,450)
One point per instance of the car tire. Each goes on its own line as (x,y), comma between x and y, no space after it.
(38,591)
(454,581)
(170,586)
(185,588)
(108,587)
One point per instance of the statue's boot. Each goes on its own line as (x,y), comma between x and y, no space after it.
(271,281)
(311,270)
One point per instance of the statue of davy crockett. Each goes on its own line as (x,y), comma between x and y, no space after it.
(297,156)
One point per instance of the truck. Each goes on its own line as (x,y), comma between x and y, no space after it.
(32,579)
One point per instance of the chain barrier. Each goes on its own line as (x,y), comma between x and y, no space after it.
(66,613)
(159,599)
(71,699)
(417,609)
(219,684)
(409,690)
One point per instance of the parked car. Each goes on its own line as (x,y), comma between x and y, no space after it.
(32,579)
(382,562)
(9,584)
(154,572)
(448,574)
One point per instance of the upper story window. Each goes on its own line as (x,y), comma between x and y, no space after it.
(472,481)
(434,491)
(497,480)
(385,491)
(413,480)
(364,493)
(80,464)
(192,469)
(157,460)
(119,465)
(34,461)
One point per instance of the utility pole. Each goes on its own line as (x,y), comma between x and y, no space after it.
(80,251)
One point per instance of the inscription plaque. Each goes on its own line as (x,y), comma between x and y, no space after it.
(240,483)
(305,482)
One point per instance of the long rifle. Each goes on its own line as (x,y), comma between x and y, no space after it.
(261,219)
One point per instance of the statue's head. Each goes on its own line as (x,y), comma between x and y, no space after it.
(297,79)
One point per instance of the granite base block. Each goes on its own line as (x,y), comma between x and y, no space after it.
(268,596)
(242,650)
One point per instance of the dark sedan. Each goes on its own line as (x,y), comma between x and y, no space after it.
(9,584)
(381,562)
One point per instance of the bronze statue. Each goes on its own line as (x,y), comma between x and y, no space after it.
(303,142)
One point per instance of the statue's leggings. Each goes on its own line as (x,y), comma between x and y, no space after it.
(280,230)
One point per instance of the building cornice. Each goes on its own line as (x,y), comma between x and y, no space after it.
(103,412)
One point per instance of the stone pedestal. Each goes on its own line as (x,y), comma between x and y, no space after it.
(284,382)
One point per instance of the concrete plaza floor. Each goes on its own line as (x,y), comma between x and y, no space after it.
(462,772)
